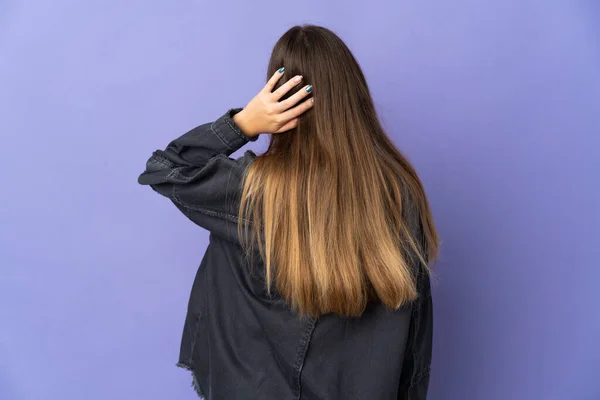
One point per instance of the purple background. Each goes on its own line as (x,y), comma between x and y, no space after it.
(497,103)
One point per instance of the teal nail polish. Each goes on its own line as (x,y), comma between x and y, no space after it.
(281,70)
(309,89)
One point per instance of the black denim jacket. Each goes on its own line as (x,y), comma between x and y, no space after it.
(241,343)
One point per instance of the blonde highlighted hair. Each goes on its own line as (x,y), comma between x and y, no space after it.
(324,203)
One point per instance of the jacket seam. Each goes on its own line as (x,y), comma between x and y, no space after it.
(206,211)
(212,128)
(229,120)
(301,356)
(178,177)
(240,134)
(162,160)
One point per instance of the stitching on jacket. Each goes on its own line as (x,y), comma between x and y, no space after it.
(171,175)
(219,136)
(178,176)
(240,134)
(206,211)
(161,160)
(301,355)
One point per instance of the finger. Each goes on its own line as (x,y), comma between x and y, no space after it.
(273,80)
(293,100)
(290,125)
(286,87)
(298,110)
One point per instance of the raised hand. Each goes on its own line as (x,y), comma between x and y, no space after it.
(266,114)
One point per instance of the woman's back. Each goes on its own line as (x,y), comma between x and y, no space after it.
(242,344)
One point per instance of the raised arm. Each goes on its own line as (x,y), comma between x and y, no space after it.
(195,170)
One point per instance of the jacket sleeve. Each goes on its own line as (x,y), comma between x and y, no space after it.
(196,173)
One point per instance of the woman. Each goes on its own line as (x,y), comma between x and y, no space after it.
(315,284)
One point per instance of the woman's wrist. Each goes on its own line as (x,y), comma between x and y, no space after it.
(245,125)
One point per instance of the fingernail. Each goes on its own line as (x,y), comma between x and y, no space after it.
(281,70)
(312,100)
(309,89)
(298,78)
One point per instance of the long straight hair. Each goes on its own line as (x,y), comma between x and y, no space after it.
(324,203)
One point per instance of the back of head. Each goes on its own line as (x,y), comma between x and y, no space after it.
(326,199)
